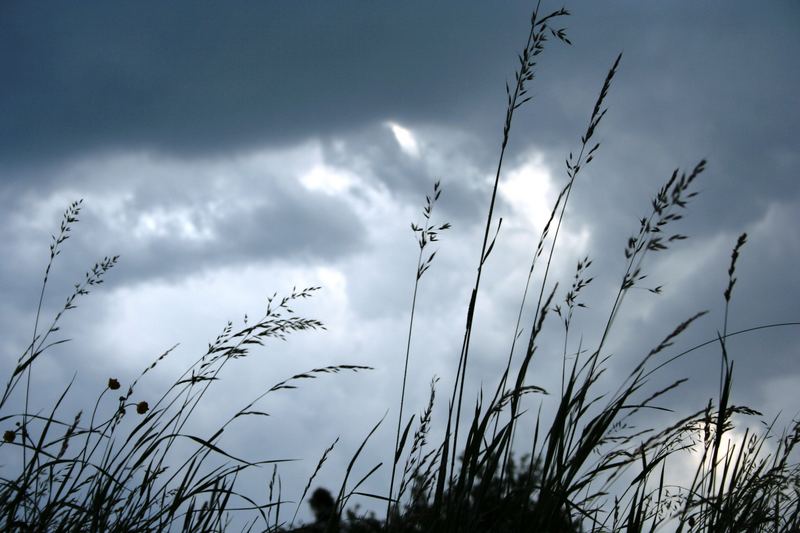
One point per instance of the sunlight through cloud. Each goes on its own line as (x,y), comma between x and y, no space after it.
(529,190)
(405,138)
(326,179)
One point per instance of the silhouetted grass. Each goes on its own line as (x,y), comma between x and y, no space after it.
(591,466)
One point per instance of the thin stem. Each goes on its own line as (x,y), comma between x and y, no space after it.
(403,389)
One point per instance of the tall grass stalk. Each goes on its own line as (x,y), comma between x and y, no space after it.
(426,234)
(516,98)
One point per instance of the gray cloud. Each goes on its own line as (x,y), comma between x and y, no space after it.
(187,80)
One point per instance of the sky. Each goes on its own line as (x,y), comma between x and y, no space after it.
(228,152)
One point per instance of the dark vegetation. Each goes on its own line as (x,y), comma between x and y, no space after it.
(589,467)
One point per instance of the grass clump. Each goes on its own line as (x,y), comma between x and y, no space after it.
(119,471)
(594,465)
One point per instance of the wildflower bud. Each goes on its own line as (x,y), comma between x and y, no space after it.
(142,407)
(9,435)
(113,384)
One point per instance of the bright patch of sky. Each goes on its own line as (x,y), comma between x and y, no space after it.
(326,179)
(528,188)
(405,138)
(178,223)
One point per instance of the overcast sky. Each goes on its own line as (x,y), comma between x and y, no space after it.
(227,152)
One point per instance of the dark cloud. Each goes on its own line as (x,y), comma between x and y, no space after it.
(189,78)
(196,77)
